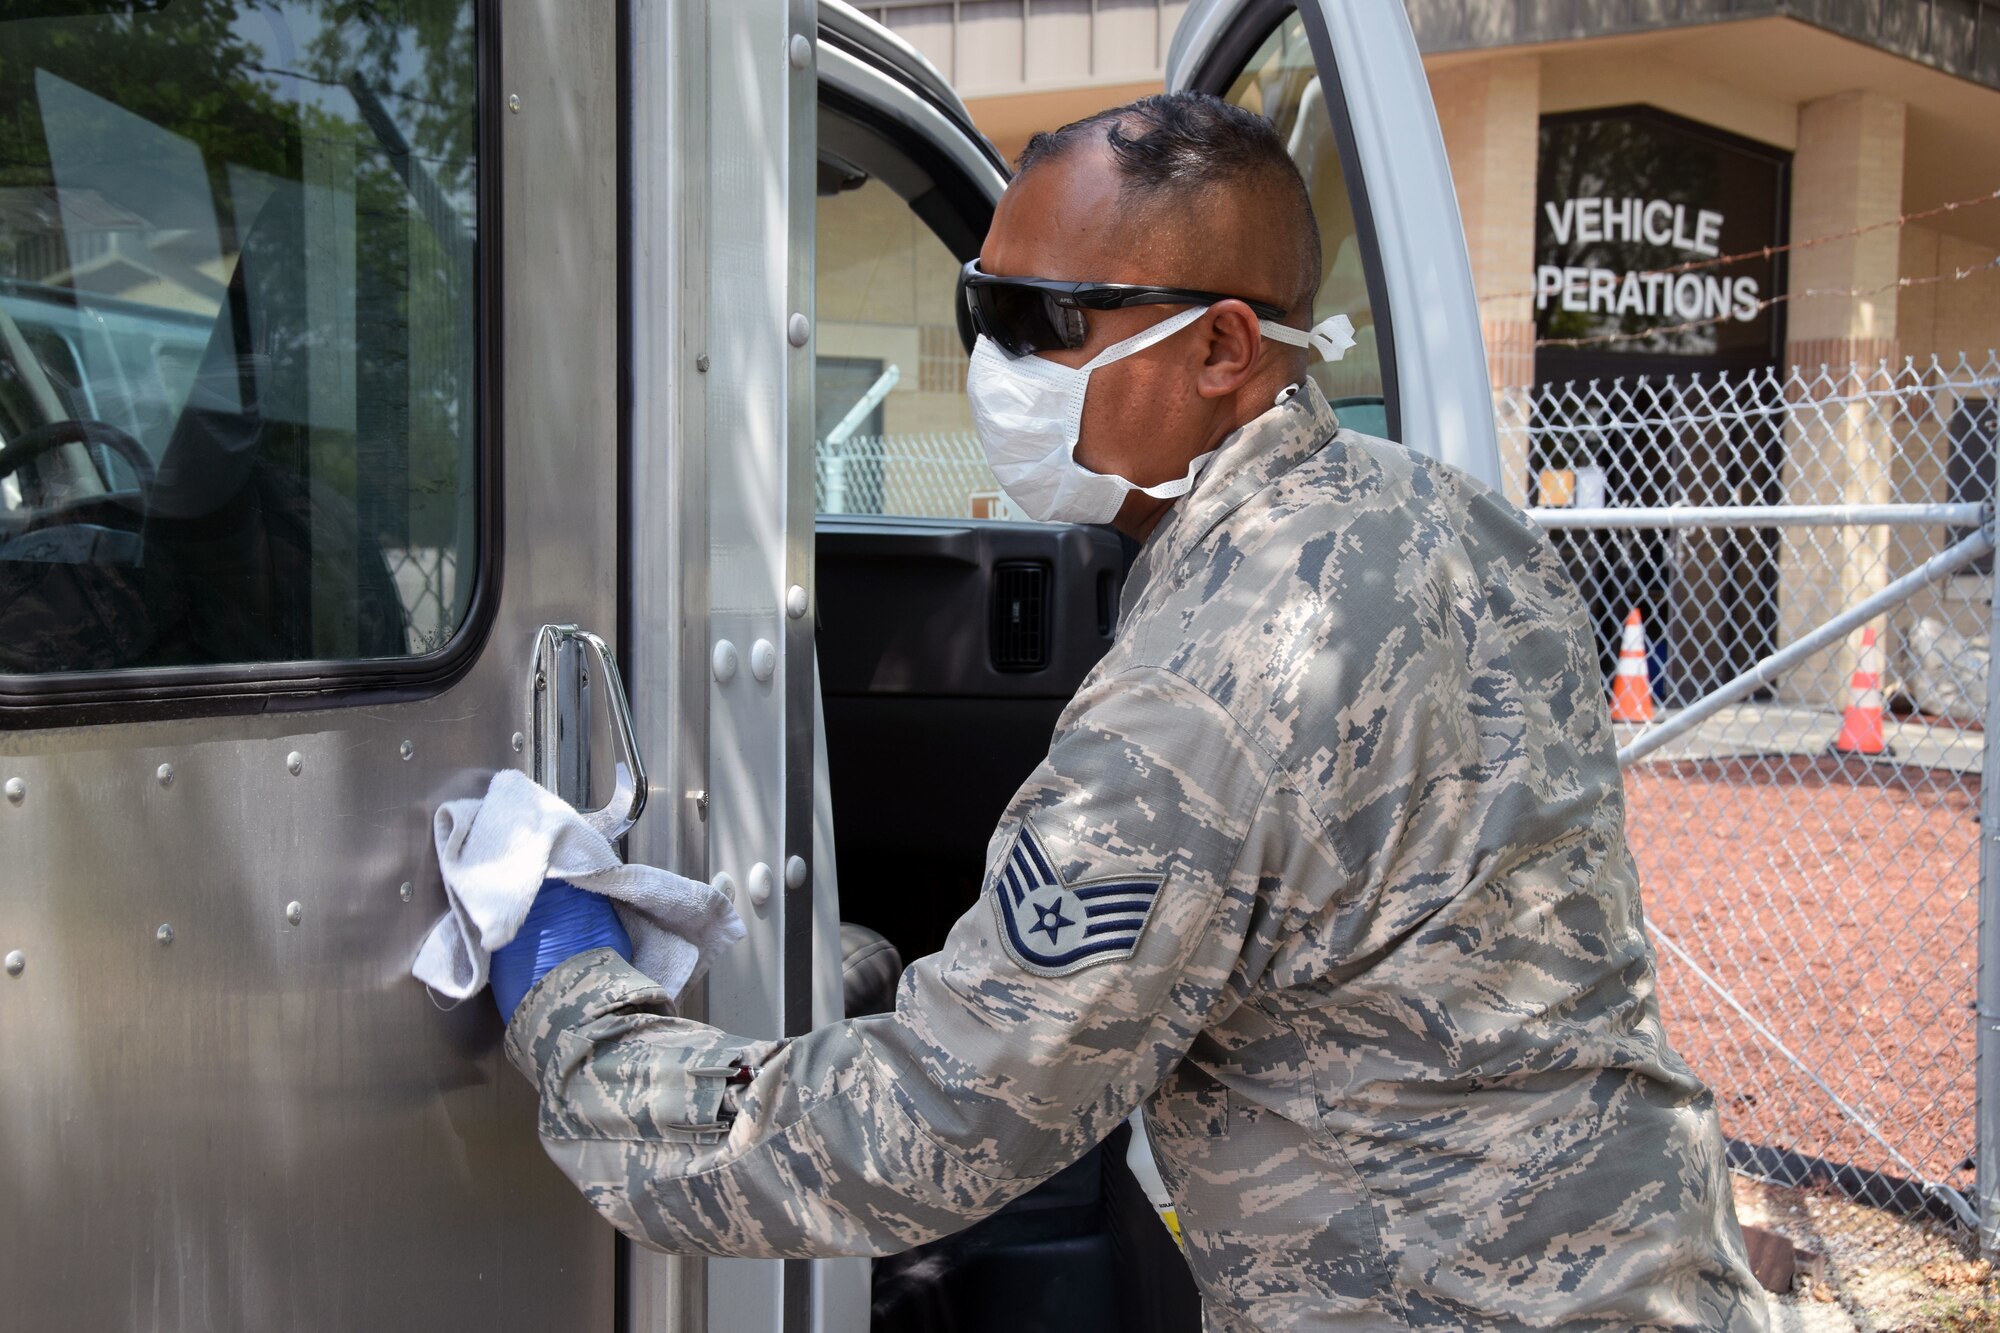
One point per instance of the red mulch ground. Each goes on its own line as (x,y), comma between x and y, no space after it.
(1837,901)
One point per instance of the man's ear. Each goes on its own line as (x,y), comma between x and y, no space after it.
(1231,345)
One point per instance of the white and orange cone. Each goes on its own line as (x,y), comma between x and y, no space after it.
(1632,687)
(1861,725)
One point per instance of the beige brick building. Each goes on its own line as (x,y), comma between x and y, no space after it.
(1884,109)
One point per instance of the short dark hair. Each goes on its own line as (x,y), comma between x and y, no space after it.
(1174,147)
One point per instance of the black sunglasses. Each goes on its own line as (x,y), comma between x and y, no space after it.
(1028,315)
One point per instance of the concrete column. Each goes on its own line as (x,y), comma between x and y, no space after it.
(1847,173)
(1490,111)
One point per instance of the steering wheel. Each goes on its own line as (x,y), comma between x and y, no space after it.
(115,511)
(31,445)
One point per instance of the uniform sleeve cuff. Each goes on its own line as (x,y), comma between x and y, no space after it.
(576,991)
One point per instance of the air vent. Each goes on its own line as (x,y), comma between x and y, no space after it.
(1020,615)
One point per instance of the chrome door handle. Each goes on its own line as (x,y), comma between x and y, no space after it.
(571,666)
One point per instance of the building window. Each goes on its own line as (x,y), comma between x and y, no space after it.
(1974,435)
(1634,212)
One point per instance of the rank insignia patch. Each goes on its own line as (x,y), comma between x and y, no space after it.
(1052,928)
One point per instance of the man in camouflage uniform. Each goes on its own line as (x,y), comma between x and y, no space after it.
(1326,869)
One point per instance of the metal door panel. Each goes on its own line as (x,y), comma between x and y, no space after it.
(265,1123)
(1366,51)
(760,205)
(721,160)
(667,667)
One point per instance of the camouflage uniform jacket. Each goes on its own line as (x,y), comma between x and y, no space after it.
(1326,867)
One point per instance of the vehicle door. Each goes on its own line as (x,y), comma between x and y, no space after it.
(308,426)
(1343,81)
(945,630)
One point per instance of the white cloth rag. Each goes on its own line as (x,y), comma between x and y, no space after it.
(496,850)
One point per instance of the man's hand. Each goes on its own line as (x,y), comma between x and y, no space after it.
(564,922)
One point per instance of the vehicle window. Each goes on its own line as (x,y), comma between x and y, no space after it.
(237,338)
(895,432)
(1282,82)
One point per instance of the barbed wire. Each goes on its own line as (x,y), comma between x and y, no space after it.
(1848,293)
(1766,252)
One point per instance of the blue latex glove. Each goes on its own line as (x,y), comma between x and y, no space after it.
(563,922)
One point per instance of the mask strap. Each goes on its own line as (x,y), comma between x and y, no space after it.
(1331,337)
(1145,338)
(1181,485)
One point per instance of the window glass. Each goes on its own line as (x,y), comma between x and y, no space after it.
(237,339)
(895,431)
(1282,82)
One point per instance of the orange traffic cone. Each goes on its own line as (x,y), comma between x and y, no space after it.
(1861,726)
(1632,687)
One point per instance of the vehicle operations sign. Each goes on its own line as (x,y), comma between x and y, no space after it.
(1634,212)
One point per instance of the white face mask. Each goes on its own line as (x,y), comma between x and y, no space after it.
(1028,411)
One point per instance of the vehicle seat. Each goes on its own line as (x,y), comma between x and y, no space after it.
(870,967)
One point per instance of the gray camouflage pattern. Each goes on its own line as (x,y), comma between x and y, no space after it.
(1392,1014)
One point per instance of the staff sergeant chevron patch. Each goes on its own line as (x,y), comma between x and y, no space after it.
(1053,929)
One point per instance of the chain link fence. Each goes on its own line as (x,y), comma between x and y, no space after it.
(426,579)
(939,474)
(1809,846)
